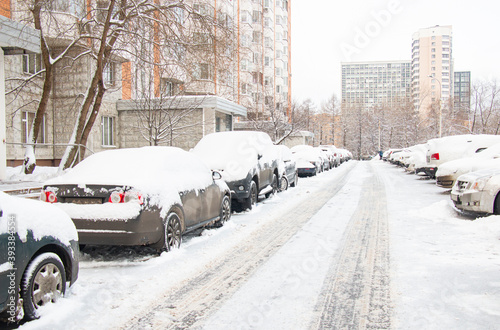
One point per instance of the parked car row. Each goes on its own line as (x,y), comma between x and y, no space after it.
(313,160)
(468,164)
(147,196)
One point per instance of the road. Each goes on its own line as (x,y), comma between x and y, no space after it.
(363,246)
(354,294)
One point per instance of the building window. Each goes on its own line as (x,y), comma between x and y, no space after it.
(256,36)
(65,6)
(32,63)
(109,74)
(27,119)
(256,15)
(217,124)
(166,87)
(229,123)
(203,71)
(107,131)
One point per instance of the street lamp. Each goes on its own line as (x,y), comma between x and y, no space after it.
(440,111)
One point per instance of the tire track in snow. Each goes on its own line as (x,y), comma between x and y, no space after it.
(356,294)
(199,297)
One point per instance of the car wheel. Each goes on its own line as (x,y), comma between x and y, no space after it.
(225,212)
(173,232)
(283,183)
(274,185)
(496,206)
(44,281)
(295,180)
(252,199)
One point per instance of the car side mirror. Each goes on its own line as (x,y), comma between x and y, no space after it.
(216,175)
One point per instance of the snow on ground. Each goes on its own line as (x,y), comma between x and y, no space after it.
(444,266)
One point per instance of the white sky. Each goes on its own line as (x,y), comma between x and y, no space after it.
(322,28)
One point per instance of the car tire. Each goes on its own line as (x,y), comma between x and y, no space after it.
(496,205)
(44,281)
(252,199)
(295,180)
(225,212)
(274,185)
(173,232)
(283,183)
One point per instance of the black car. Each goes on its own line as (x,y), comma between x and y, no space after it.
(38,255)
(247,160)
(140,196)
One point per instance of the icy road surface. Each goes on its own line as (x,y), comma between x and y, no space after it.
(362,246)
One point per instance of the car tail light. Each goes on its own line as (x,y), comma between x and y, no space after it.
(128,196)
(48,196)
(116,197)
(435,156)
(133,196)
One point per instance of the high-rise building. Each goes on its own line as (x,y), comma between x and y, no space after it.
(264,55)
(374,83)
(432,67)
(231,60)
(462,91)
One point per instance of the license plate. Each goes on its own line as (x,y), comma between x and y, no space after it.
(81,200)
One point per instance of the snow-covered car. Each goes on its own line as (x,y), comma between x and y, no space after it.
(448,172)
(306,156)
(449,148)
(333,152)
(325,159)
(142,196)
(38,255)
(287,168)
(414,160)
(247,160)
(478,191)
(345,155)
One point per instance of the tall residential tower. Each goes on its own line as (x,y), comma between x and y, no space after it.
(432,67)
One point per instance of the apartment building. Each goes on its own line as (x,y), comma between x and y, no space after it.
(248,74)
(375,83)
(432,67)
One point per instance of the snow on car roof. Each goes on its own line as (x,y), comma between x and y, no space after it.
(150,169)
(41,218)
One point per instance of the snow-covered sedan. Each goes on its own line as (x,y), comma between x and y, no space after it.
(38,256)
(247,160)
(478,191)
(309,160)
(142,196)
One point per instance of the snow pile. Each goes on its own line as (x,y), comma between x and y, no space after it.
(40,174)
(40,218)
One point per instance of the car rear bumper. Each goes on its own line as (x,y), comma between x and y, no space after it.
(119,224)
(306,171)
(445,181)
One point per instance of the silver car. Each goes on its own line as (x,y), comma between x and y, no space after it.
(478,191)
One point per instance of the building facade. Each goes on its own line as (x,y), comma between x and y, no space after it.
(462,91)
(375,83)
(431,67)
(251,72)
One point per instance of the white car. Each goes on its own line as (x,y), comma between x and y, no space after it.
(448,172)
(478,191)
(454,147)
(309,160)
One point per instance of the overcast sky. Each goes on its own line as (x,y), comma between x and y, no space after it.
(327,32)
